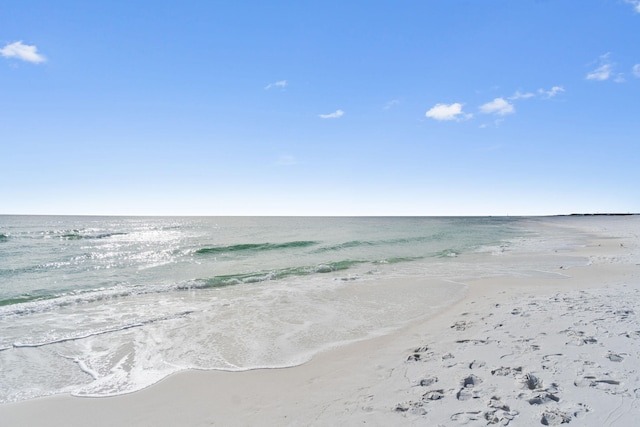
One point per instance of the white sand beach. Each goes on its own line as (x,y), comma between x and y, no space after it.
(550,347)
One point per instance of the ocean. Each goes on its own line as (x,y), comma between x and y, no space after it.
(101,306)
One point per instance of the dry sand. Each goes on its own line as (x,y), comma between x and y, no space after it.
(557,346)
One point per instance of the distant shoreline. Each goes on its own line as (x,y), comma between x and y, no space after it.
(601,214)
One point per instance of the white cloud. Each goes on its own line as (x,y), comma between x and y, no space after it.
(601,73)
(447,112)
(604,71)
(23,52)
(520,95)
(335,115)
(281,84)
(552,92)
(636,70)
(498,106)
(635,4)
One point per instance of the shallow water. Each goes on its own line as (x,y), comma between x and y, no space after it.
(103,306)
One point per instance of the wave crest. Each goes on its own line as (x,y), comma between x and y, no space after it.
(255,247)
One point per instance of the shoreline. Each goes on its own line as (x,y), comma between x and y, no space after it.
(386,380)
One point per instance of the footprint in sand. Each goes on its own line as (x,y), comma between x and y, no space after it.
(550,362)
(420,353)
(461,325)
(585,381)
(579,337)
(632,334)
(605,384)
(426,382)
(433,395)
(474,341)
(476,364)
(499,412)
(500,416)
(471,381)
(532,382)
(614,357)
(465,417)
(548,357)
(466,392)
(624,314)
(542,398)
(555,418)
(411,407)
(504,371)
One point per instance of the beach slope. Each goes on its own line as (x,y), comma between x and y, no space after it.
(553,346)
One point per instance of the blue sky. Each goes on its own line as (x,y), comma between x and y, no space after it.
(445,107)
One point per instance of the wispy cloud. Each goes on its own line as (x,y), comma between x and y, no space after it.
(286,160)
(601,73)
(496,124)
(604,70)
(551,92)
(545,94)
(447,112)
(635,4)
(636,70)
(281,84)
(522,95)
(24,52)
(335,115)
(391,104)
(499,106)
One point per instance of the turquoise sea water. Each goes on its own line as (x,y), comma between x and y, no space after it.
(108,305)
